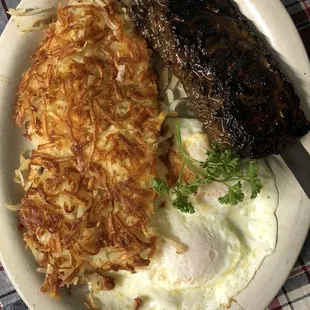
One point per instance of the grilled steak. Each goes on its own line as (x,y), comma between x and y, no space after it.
(234,87)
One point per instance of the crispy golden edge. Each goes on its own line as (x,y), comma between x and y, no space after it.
(89,179)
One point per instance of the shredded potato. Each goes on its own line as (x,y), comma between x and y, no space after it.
(30,12)
(15,208)
(33,19)
(89,104)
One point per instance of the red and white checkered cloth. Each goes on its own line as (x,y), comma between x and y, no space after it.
(295,294)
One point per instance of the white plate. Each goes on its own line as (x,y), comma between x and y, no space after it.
(293,213)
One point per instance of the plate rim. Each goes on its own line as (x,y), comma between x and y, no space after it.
(305,141)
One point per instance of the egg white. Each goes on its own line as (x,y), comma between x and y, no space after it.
(225,245)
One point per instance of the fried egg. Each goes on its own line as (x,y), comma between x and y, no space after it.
(222,247)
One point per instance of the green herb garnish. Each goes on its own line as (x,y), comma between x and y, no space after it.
(222,166)
(160,186)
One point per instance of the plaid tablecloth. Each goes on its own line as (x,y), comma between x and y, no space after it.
(295,294)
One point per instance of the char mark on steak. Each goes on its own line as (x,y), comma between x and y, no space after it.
(234,87)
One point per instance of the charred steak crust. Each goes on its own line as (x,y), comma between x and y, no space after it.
(235,88)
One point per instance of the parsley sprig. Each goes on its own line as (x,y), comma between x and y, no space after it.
(222,166)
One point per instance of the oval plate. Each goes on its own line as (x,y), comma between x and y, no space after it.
(273,23)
